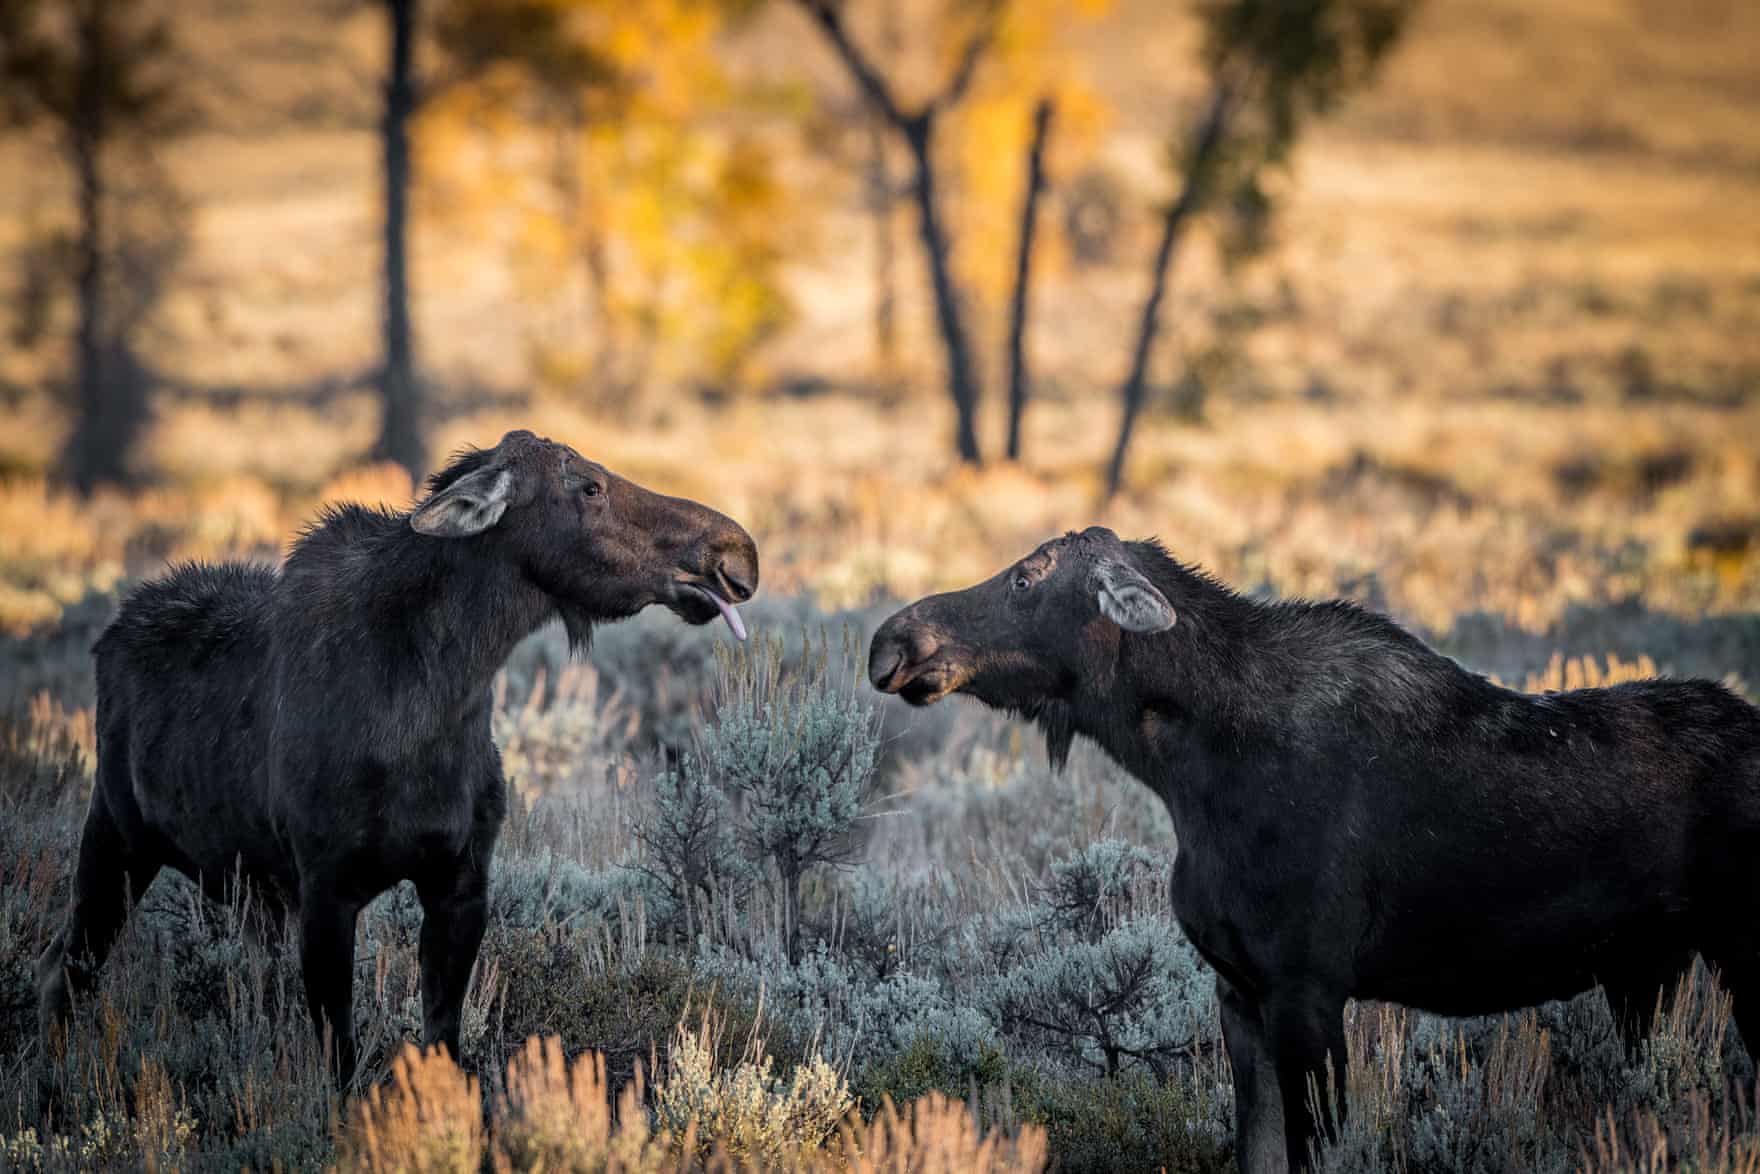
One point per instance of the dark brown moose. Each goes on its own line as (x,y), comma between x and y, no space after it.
(322,732)
(1360,817)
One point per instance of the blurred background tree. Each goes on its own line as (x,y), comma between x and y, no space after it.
(1018,377)
(651,229)
(100,80)
(682,234)
(1273,66)
(400,430)
(1012,152)
(475,43)
(995,64)
(915,124)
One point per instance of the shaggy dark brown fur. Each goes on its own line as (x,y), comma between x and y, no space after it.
(322,732)
(1358,815)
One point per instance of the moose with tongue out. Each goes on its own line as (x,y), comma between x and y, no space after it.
(321,732)
(1361,817)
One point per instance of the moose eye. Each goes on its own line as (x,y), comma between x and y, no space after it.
(1021,582)
(591,489)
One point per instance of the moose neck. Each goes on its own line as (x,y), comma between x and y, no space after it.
(477,608)
(1178,708)
(1213,667)
(1213,703)
(427,622)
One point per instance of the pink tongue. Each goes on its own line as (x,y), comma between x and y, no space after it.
(728,613)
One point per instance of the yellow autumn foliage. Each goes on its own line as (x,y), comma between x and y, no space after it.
(653,236)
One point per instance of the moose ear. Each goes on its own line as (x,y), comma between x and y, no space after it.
(1129,600)
(468,506)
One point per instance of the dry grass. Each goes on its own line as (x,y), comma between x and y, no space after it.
(1426,1096)
(1583,672)
(1430,508)
(936,1135)
(1711,1143)
(428,1120)
(1505,356)
(558,1115)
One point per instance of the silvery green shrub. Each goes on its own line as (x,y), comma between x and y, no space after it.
(546,889)
(1097,886)
(887,924)
(1134,996)
(687,840)
(824,996)
(794,753)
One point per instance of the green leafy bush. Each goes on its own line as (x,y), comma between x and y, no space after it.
(929,1064)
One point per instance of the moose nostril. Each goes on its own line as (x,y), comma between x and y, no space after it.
(883,664)
(738,580)
(898,652)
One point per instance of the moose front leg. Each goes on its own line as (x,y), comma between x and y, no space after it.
(109,875)
(326,959)
(455,911)
(1306,1034)
(1258,1103)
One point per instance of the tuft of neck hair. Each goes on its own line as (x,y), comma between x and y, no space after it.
(1239,670)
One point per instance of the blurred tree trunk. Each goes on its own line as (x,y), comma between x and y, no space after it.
(1023,276)
(89,87)
(962,377)
(1198,173)
(1272,68)
(885,263)
(92,455)
(400,430)
(882,195)
(917,129)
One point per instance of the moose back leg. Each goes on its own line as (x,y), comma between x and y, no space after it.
(455,910)
(326,960)
(110,873)
(1306,1035)
(1729,929)
(1258,1103)
(1635,994)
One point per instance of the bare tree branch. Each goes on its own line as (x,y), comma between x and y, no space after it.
(980,42)
(829,15)
(1023,270)
(917,129)
(1204,146)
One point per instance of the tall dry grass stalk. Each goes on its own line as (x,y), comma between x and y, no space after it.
(558,1116)
(1494,1099)
(1583,672)
(1426,1094)
(428,1120)
(1717,1139)
(76,725)
(937,1135)
(555,1115)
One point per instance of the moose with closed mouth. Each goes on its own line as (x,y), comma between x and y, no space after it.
(1358,816)
(321,732)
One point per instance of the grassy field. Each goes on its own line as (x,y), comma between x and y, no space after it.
(1500,377)
(1505,357)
